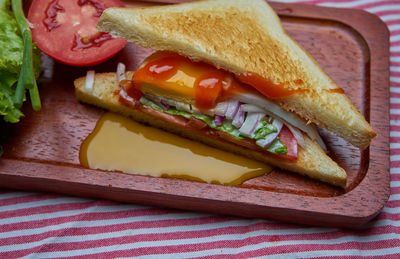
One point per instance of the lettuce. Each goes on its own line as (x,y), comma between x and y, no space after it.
(11,52)
(265,129)
(11,45)
(225,127)
(277,146)
(11,56)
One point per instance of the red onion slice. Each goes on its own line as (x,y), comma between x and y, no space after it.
(218,120)
(238,120)
(154,98)
(251,108)
(275,110)
(278,124)
(233,107)
(164,105)
(121,72)
(158,100)
(250,123)
(221,108)
(89,81)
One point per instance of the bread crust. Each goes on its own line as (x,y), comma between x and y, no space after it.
(244,36)
(312,162)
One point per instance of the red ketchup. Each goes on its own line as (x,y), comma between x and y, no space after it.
(208,84)
(208,88)
(211,85)
(163,68)
(266,86)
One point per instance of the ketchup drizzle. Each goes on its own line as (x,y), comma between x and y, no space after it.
(210,84)
(267,87)
(208,89)
(164,67)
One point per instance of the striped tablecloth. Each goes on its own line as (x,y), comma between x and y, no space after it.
(48,225)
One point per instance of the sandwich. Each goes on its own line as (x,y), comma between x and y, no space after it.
(226,73)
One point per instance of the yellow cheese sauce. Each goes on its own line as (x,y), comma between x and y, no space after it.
(121,144)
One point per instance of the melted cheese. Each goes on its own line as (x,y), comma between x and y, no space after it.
(120,144)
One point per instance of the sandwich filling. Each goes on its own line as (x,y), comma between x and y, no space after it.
(217,102)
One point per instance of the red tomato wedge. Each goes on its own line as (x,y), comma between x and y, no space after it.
(66,30)
(286,136)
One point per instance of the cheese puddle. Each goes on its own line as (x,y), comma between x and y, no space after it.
(119,143)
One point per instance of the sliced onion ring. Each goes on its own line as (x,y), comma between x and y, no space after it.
(233,107)
(218,120)
(121,72)
(221,108)
(89,81)
(251,123)
(251,108)
(238,119)
(275,110)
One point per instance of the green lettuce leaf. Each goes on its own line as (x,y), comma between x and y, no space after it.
(11,45)
(277,146)
(225,127)
(7,109)
(11,54)
(265,129)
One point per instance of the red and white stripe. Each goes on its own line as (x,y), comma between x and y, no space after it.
(46,225)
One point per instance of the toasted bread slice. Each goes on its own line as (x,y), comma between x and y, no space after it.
(244,36)
(311,161)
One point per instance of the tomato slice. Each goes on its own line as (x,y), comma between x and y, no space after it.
(286,136)
(66,30)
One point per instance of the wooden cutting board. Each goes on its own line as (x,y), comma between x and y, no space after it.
(42,151)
